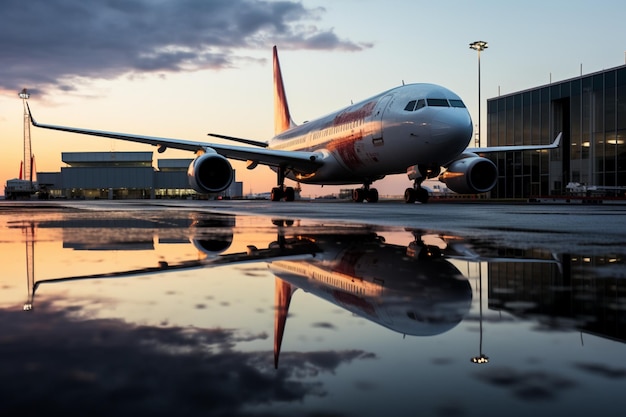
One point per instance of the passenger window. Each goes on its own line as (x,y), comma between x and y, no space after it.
(457,103)
(437,102)
(410,105)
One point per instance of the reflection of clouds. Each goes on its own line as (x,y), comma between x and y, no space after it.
(602,370)
(253,271)
(324,325)
(529,385)
(53,361)
(303,364)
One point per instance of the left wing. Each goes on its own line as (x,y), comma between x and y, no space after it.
(512,148)
(299,160)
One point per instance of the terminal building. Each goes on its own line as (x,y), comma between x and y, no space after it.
(590,110)
(121,175)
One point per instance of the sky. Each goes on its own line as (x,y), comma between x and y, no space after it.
(184,68)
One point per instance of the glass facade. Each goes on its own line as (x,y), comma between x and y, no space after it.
(589,110)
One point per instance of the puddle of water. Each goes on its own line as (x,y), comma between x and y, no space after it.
(187,312)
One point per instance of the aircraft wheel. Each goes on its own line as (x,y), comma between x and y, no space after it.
(277,194)
(358,195)
(372,195)
(290,194)
(422,195)
(410,195)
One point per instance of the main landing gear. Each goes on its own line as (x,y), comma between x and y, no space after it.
(281,192)
(365,194)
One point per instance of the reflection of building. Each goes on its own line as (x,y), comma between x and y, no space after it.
(118,175)
(590,111)
(571,295)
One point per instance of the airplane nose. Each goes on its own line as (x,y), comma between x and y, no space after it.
(452,128)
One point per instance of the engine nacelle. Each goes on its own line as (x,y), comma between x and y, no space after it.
(210,173)
(470,175)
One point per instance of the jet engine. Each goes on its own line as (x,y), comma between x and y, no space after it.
(210,173)
(212,235)
(470,175)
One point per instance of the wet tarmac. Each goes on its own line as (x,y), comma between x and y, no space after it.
(239,308)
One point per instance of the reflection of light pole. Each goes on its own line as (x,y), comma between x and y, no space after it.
(481,358)
(29,232)
(478,46)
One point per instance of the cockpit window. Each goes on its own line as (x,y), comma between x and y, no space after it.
(437,102)
(457,103)
(415,105)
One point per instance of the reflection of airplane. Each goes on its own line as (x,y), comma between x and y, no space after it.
(417,293)
(415,128)
(412,290)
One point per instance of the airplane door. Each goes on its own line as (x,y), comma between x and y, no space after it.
(377,119)
(373,140)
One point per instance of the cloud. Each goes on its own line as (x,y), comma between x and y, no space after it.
(48,44)
(530,386)
(59,364)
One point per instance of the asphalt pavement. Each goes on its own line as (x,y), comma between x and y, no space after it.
(557,226)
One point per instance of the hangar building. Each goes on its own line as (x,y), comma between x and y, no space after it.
(119,175)
(590,110)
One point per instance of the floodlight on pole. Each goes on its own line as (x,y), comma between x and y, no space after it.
(24,94)
(478,46)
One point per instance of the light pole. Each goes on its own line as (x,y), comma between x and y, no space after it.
(28,156)
(478,46)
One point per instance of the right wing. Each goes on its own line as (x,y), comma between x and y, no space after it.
(298,160)
(511,148)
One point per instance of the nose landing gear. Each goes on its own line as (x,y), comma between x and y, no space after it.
(418,174)
(365,194)
(417,193)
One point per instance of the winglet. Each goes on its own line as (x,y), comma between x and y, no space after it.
(282,117)
(557,141)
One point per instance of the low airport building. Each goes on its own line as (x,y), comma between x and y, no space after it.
(590,110)
(122,175)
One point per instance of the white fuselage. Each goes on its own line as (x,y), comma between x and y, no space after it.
(410,125)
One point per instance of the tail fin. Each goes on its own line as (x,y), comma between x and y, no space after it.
(282,298)
(282,117)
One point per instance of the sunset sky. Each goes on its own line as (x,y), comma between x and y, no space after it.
(184,68)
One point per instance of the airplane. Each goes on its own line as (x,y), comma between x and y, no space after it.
(414,128)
